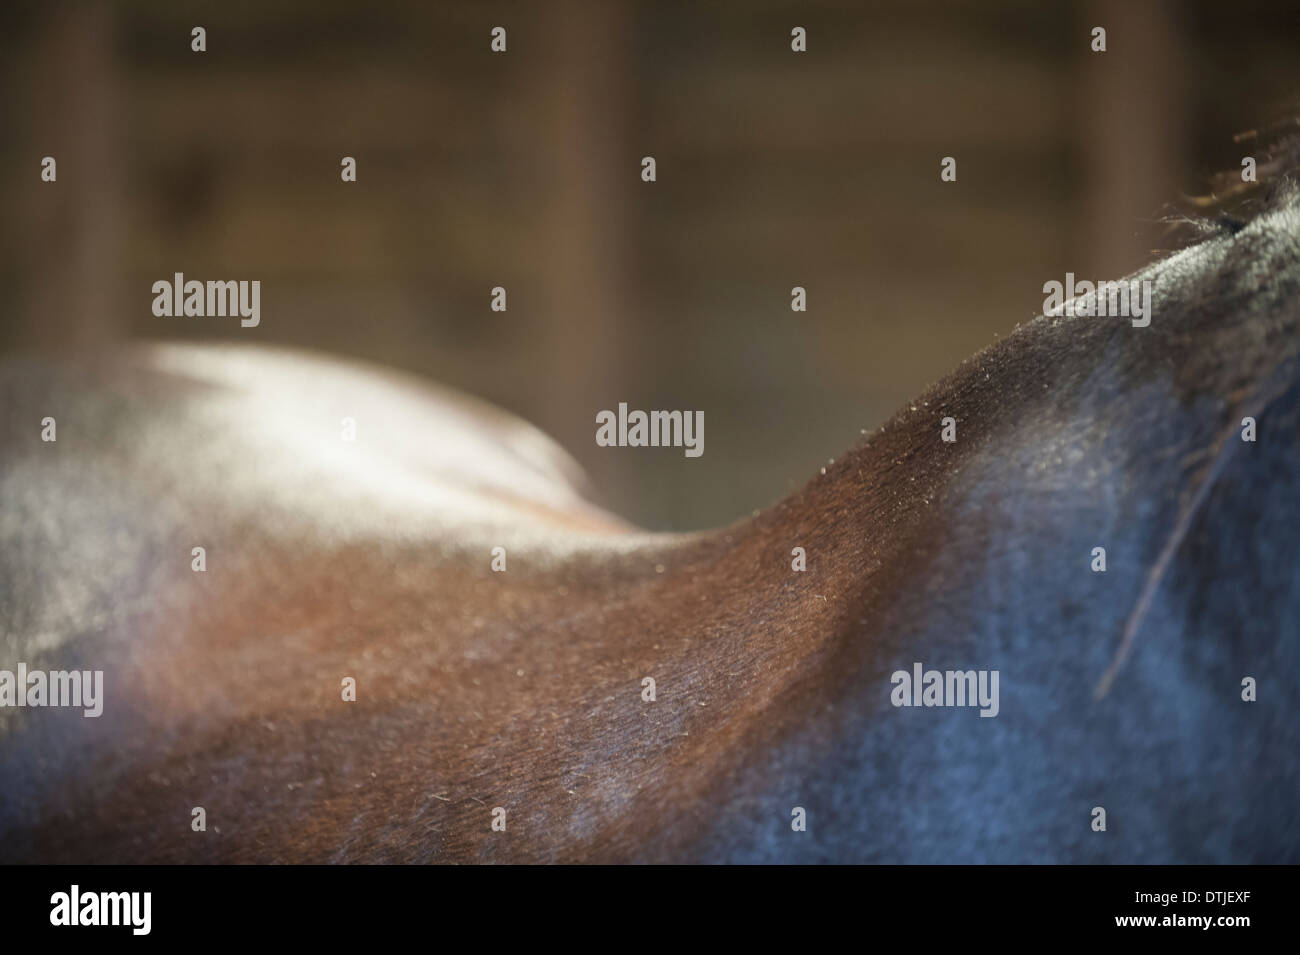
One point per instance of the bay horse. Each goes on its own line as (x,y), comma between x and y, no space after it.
(341,675)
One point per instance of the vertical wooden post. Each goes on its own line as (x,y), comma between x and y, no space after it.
(72,289)
(593,173)
(1131,129)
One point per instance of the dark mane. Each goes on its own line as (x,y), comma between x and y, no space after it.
(1229,203)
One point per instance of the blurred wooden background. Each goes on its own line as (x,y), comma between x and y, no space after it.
(476,169)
